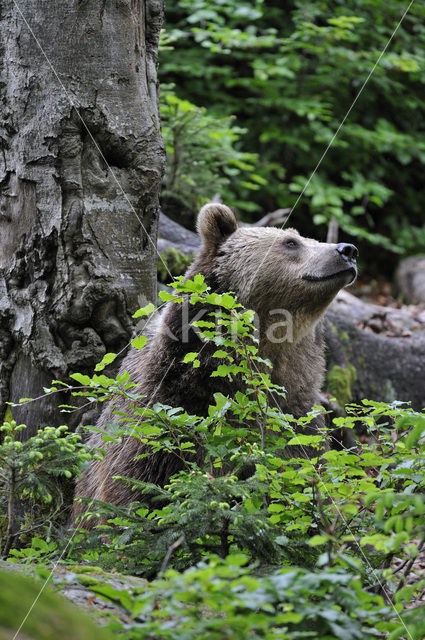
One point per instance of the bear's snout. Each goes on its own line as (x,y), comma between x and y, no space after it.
(348,251)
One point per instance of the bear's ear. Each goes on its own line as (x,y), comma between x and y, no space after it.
(215,223)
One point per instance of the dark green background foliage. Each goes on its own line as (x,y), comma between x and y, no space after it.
(288,72)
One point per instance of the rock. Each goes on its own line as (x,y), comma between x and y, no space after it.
(410,279)
(51,617)
(177,246)
(103,596)
(385,346)
(172,234)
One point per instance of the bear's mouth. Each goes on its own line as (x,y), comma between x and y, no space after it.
(333,276)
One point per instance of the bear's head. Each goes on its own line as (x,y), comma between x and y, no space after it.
(270,268)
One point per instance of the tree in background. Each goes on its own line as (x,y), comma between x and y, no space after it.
(80,172)
(289,72)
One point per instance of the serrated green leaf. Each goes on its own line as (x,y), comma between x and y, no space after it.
(190,357)
(275,508)
(84,380)
(220,354)
(166,297)
(139,342)
(316,541)
(107,359)
(145,311)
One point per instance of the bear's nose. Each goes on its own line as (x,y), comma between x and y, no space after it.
(347,251)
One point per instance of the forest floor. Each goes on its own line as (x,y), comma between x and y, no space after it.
(376,291)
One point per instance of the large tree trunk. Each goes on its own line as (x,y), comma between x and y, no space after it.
(80,170)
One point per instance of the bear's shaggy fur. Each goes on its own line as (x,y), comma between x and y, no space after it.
(269,269)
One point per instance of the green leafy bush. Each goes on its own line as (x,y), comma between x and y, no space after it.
(222,599)
(31,492)
(339,531)
(202,153)
(289,73)
(249,542)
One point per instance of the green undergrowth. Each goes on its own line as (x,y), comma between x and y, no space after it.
(251,543)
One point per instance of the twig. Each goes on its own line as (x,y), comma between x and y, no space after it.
(421,595)
(410,565)
(10,514)
(224,539)
(333,231)
(170,550)
(273,218)
(262,422)
(401,565)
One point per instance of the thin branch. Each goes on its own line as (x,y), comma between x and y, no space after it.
(333,231)
(10,514)
(165,562)
(410,565)
(167,557)
(273,218)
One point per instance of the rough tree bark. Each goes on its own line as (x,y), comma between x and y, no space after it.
(78,90)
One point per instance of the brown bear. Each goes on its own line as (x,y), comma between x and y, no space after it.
(286,279)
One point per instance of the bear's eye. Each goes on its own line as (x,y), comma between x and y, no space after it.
(291,243)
